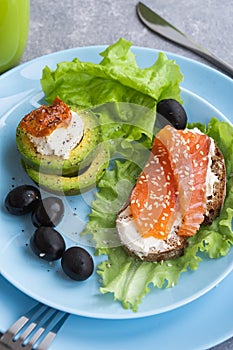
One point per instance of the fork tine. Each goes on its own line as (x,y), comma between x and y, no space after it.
(38,327)
(16,327)
(51,335)
(42,328)
(41,339)
(36,321)
(47,340)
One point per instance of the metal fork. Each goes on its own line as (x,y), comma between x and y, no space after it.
(34,330)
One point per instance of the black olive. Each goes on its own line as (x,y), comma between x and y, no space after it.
(48,212)
(47,243)
(77,263)
(22,199)
(173,112)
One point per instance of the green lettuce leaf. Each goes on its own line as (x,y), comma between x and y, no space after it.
(223,135)
(116,78)
(119,92)
(128,280)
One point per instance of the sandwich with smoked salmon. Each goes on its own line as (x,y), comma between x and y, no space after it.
(182,186)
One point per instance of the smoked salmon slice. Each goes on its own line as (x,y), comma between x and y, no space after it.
(171,191)
(153,199)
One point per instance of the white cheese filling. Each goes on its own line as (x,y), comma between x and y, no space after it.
(62,140)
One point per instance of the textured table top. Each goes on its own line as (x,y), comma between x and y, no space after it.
(58,25)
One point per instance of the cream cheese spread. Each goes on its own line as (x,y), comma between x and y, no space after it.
(62,140)
(211,177)
(132,239)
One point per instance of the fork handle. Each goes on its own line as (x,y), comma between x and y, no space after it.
(4,346)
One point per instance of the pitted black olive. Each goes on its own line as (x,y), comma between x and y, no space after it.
(77,263)
(48,212)
(22,199)
(47,243)
(171,111)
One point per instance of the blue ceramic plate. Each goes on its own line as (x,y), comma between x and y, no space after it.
(199,325)
(202,92)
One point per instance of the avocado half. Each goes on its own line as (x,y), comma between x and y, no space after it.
(66,185)
(52,164)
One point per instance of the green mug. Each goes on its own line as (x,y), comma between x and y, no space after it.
(14,24)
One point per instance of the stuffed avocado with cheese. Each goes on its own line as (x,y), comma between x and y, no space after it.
(61,148)
(56,139)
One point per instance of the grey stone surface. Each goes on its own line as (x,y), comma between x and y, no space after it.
(57,25)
